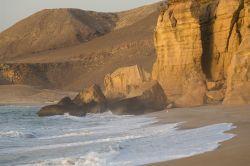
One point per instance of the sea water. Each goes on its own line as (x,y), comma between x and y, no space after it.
(98,140)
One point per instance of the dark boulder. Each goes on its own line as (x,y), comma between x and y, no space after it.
(66,105)
(148,97)
(92,99)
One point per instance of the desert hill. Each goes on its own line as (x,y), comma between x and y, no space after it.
(53,28)
(126,39)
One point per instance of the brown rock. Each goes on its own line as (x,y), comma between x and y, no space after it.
(150,94)
(123,80)
(54,28)
(194,96)
(238,83)
(211,85)
(215,96)
(92,99)
(224,24)
(66,105)
(148,97)
(179,49)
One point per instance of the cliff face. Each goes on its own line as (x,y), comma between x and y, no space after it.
(221,33)
(179,49)
(238,83)
(196,41)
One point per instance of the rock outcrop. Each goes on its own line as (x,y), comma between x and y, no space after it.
(179,49)
(148,97)
(92,99)
(221,23)
(66,105)
(238,83)
(124,80)
(196,42)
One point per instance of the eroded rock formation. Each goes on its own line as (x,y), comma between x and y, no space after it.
(179,49)
(93,99)
(238,82)
(196,42)
(122,81)
(149,96)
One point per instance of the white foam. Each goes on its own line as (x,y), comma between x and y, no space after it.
(147,145)
(14,134)
(72,134)
(101,139)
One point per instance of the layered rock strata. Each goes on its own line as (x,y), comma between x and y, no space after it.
(193,37)
(179,49)
(238,82)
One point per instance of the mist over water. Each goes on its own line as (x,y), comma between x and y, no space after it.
(98,140)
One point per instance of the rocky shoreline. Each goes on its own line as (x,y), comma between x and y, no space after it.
(203,57)
(127,91)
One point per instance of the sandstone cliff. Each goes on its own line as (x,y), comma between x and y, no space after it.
(197,41)
(238,83)
(179,48)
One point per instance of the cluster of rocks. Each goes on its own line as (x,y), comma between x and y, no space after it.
(128,90)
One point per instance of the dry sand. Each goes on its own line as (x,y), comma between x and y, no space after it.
(235,152)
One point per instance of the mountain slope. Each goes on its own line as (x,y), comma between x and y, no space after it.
(53,28)
(129,42)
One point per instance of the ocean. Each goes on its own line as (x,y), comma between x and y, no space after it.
(98,139)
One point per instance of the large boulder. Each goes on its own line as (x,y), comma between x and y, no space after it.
(179,49)
(92,99)
(66,105)
(124,80)
(148,97)
(238,83)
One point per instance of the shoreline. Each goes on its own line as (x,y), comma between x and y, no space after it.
(233,152)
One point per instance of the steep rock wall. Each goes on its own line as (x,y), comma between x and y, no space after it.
(238,83)
(179,49)
(221,36)
(193,37)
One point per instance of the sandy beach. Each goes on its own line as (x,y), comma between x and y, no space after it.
(235,152)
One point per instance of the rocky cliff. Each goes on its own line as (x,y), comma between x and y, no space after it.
(238,82)
(196,42)
(179,49)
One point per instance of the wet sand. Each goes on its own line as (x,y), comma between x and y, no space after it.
(234,152)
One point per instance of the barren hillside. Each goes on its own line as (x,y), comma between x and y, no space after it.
(68,59)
